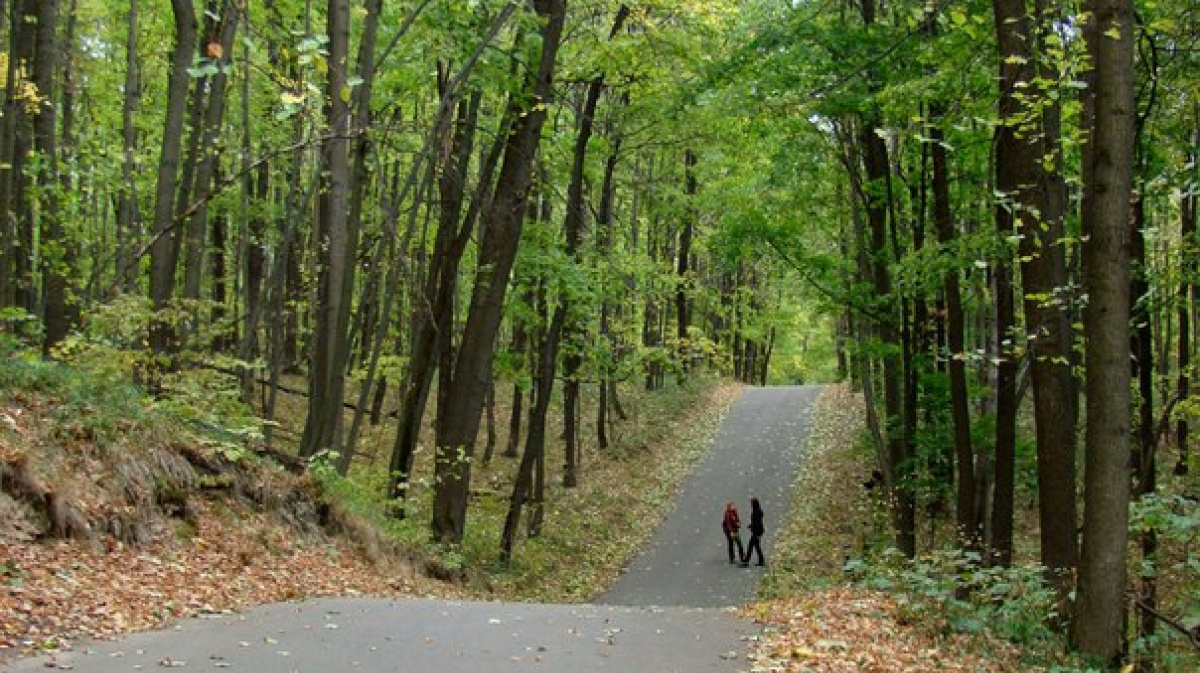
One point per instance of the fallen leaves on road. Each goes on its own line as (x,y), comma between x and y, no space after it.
(847,630)
(52,594)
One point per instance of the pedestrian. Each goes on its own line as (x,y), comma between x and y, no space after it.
(732,525)
(756,531)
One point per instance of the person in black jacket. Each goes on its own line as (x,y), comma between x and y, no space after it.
(756,531)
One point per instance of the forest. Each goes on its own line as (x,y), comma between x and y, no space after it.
(340,231)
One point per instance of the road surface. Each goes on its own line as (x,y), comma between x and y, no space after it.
(672,610)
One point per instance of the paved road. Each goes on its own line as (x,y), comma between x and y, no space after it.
(755,454)
(669,612)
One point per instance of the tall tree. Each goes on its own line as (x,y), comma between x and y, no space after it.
(55,255)
(1098,623)
(1032,190)
(461,401)
(337,248)
(166,236)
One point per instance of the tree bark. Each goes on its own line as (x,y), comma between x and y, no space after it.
(129,219)
(1098,625)
(970,532)
(1033,191)
(164,248)
(337,246)
(54,256)
(217,50)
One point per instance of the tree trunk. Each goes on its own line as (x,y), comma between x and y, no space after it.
(218,49)
(1098,625)
(54,255)
(1188,245)
(1033,192)
(458,421)
(166,236)
(1145,463)
(129,219)
(970,532)
(337,246)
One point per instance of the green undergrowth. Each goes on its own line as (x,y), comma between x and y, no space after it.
(838,534)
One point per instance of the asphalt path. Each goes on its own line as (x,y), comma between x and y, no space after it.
(672,610)
(755,454)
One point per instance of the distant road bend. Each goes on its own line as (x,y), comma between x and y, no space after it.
(669,611)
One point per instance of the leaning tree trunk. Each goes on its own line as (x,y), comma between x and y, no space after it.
(458,421)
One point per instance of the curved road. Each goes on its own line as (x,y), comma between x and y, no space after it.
(668,612)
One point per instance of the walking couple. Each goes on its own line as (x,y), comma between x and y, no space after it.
(732,525)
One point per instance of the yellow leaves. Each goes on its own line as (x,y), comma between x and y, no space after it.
(288,98)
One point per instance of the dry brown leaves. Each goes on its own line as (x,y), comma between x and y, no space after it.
(53,594)
(847,630)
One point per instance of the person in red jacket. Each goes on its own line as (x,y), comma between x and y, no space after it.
(732,525)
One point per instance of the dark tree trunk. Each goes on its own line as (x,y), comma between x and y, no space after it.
(55,248)
(1145,464)
(337,244)
(458,421)
(1098,627)
(129,219)
(1188,247)
(683,281)
(435,308)
(970,532)
(1033,190)
(218,49)
(166,236)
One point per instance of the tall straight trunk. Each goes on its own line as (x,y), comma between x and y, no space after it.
(1188,267)
(575,227)
(1034,191)
(54,254)
(458,421)
(336,250)
(166,237)
(1145,463)
(875,192)
(875,163)
(683,317)
(361,150)
(1098,625)
(969,529)
(1014,172)
(604,222)
(9,247)
(516,346)
(255,188)
(129,220)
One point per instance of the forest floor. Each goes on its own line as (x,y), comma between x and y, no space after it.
(52,595)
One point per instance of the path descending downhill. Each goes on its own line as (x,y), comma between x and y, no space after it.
(668,612)
(755,454)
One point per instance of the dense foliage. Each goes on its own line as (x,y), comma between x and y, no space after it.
(339,227)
